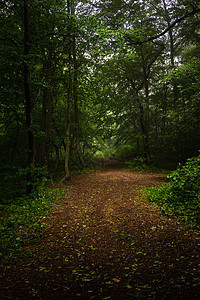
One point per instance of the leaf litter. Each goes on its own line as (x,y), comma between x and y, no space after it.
(105,241)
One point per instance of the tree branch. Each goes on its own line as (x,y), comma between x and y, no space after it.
(152,38)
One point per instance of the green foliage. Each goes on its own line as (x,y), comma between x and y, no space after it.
(32,176)
(138,163)
(125,92)
(14,182)
(105,152)
(24,220)
(124,152)
(182,195)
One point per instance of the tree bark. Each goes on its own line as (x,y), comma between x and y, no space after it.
(43,128)
(76,109)
(29,106)
(142,123)
(57,156)
(145,114)
(46,122)
(175,90)
(69,100)
(46,127)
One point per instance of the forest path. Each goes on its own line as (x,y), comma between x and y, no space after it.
(104,241)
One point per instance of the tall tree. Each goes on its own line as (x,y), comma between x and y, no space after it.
(69,94)
(76,106)
(29,104)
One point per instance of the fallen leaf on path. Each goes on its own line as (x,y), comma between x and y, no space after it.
(116,280)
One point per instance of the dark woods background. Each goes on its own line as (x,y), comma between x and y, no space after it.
(105,78)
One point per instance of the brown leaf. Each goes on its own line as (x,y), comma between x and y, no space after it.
(116,280)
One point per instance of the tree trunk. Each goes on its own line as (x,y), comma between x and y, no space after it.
(15,143)
(46,124)
(175,91)
(57,157)
(69,100)
(43,128)
(29,106)
(142,123)
(46,127)
(78,145)
(145,118)
(144,132)
(76,109)
(67,175)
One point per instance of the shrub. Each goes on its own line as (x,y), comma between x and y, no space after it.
(124,152)
(138,163)
(182,195)
(32,176)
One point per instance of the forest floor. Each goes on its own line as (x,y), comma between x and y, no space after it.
(103,240)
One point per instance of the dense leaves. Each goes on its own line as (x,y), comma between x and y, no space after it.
(182,195)
(144,95)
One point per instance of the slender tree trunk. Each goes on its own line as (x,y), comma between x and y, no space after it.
(46,124)
(164,109)
(47,129)
(29,106)
(15,143)
(43,127)
(67,145)
(57,156)
(142,123)
(144,132)
(146,115)
(78,145)
(76,109)
(69,100)
(175,90)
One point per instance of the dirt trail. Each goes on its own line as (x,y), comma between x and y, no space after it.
(103,241)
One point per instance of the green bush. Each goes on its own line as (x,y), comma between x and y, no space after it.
(15,181)
(124,152)
(32,176)
(182,195)
(137,164)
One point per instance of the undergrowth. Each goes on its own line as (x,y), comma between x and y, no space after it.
(24,220)
(181,196)
(137,164)
(140,163)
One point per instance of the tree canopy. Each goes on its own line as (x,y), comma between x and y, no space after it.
(115,77)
